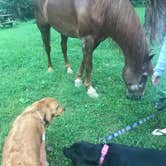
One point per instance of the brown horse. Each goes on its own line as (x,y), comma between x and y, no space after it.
(93,21)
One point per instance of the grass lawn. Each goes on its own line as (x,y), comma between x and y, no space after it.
(24,79)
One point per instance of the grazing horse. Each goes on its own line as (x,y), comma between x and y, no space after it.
(93,21)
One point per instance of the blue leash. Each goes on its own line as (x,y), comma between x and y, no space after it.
(132,126)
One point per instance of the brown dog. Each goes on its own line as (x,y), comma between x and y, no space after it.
(23,144)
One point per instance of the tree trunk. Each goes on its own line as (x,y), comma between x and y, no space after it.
(155,20)
(18,10)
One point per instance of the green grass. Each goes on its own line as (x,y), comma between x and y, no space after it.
(24,79)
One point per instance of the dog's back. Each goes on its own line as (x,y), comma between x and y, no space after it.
(23,144)
(121,155)
(117,155)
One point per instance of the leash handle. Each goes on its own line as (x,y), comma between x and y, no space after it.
(43,148)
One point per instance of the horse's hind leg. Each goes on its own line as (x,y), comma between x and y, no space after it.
(78,81)
(88,47)
(64,51)
(45,33)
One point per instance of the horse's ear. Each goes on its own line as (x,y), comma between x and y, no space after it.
(149,58)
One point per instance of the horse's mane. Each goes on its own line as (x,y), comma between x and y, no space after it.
(127,31)
(125,28)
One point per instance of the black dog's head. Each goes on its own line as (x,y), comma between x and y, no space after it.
(83,153)
(72,151)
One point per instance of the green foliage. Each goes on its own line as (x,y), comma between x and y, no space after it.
(21,9)
(24,79)
(138,3)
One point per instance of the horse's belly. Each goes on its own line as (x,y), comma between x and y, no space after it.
(69,18)
(65,28)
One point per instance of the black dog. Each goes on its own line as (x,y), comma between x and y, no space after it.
(118,155)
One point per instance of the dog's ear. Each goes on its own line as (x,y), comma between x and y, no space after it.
(48,113)
(48,116)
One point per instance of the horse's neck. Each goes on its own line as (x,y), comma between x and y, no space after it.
(125,28)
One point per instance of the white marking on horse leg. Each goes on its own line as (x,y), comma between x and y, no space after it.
(141,85)
(69,70)
(78,82)
(92,92)
(50,69)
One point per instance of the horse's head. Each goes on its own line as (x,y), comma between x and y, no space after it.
(135,80)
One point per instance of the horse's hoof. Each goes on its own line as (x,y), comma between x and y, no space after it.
(92,92)
(69,70)
(50,69)
(78,82)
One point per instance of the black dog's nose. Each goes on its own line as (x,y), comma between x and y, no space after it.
(64,149)
(66,152)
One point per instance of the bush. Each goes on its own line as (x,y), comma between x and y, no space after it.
(138,3)
(21,9)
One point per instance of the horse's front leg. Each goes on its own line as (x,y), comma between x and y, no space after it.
(64,51)
(88,46)
(78,81)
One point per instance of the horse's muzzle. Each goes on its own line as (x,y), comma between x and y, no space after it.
(134,95)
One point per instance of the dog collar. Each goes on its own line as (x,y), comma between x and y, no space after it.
(41,118)
(104,152)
